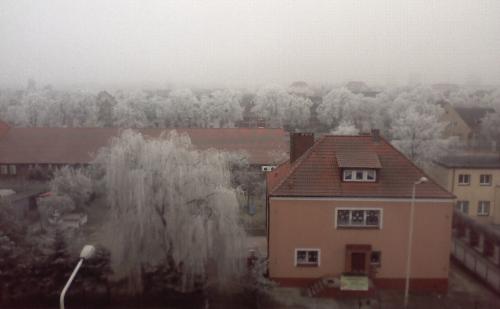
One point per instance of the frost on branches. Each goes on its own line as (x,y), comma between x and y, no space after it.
(171,205)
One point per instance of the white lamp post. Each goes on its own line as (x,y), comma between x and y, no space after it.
(87,252)
(410,239)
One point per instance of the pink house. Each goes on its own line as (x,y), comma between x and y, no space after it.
(341,207)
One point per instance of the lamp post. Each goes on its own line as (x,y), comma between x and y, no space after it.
(410,239)
(87,252)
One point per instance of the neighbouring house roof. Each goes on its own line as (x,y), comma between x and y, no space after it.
(484,160)
(80,145)
(473,115)
(318,174)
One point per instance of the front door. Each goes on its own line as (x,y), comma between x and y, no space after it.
(357,258)
(358,262)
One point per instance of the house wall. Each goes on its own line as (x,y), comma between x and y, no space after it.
(310,224)
(457,126)
(474,192)
(442,175)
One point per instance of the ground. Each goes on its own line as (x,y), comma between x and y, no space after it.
(465,292)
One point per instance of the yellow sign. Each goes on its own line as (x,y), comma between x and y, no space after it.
(354,283)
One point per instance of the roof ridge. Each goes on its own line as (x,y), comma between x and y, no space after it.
(296,164)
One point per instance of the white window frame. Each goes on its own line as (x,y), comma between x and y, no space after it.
(463,183)
(481,205)
(12,169)
(268,168)
(353,172)
(481,183)
(318,250)
(4,169)
(460,206)
(380,223)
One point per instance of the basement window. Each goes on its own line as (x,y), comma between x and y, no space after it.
(359,175)
(307,257)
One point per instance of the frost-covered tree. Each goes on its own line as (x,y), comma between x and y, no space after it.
(105,103)
(170,205)
(221,109)
(282,108)
(75,183)
(346,128)
(418,134)
(129,112)
(338,105)
(184,109)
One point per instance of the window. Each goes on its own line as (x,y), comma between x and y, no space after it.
(307,257)
(464,179)
(4,169)
(375,258)
(485,180)
(483,208)
(358,217)
(359,175)
(463,206)
(12,169)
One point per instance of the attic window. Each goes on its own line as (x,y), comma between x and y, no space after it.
(359,175)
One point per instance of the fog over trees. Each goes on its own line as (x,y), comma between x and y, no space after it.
(409,116)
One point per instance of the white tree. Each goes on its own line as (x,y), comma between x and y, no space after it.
(169,202)
(129,112)
(298,112)
(339,105)
(184,109)
(282,108)
(75,183)
(222,109)
(419,134)
(346,128)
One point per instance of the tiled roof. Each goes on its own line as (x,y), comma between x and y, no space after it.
(79,145)
(357,156)
(317,173)
(491,160)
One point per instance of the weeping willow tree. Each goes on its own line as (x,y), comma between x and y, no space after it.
(170,202)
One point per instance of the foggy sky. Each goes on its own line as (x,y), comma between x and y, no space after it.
(247,43)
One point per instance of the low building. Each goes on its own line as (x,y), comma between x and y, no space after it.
(30,152)
(341,207)
(474,178)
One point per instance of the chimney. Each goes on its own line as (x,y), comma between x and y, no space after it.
(4,128)
(376,135)
(299,144)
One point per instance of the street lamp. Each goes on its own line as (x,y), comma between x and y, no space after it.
(87,252)
(410,238)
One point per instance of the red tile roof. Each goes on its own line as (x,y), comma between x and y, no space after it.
(79,145)
(358,155)
(317,172)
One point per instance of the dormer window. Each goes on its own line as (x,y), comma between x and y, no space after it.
(359,175)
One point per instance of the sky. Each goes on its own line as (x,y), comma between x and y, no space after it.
(248,43)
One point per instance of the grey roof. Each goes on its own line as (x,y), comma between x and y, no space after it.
(471,160)
(473,115)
